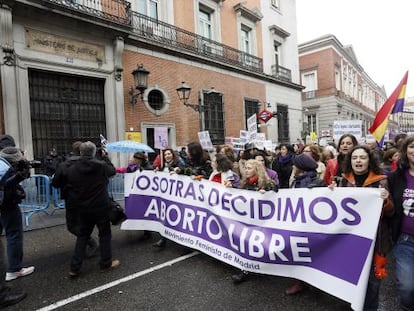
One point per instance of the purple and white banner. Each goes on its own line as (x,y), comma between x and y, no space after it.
(320,236)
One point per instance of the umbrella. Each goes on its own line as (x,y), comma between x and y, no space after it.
(128,146)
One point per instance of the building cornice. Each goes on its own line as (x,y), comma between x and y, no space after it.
(253,15)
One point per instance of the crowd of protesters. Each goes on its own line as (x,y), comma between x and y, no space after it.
(348,164)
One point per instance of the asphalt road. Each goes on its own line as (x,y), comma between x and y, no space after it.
(149,279)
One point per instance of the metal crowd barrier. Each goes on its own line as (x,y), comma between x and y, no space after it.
(58,202)
(37,190)
(116,187)
(40,195)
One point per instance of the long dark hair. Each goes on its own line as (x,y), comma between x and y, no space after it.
(404,163)
(223,163)
(196,153)
(264,155)
(175,156)
(353,138)
(373,164)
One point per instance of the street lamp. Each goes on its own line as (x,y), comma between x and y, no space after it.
(184,91)
(140,83)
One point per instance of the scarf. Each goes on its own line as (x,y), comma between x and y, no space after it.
(216,178)
(360,179)
(252,180)
(285,159)
(303,180)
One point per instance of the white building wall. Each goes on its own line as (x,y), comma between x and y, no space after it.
(285,19)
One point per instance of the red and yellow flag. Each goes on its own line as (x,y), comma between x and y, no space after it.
(394,104)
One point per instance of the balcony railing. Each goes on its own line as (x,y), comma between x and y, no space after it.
(281,72)
(117,11)
(171,36)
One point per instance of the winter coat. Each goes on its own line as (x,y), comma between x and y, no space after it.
(397,183)
(283,166)
(172,165)
(51,163)
(12,192)
(383,243)
(85,181)
(308,179)
(330,171)
(203,169)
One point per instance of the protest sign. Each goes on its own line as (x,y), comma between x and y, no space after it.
(321,236)
(205,140)
(341,127)
(252,127)
(160,138)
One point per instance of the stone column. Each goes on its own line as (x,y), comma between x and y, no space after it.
(8,74)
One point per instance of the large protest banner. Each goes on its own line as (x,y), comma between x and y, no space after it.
(321,236)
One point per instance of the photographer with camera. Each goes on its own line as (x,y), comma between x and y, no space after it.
(11,216)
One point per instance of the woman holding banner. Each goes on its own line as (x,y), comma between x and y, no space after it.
(362,169)
(223,171)
(255,179)
(401,182)
(304,176)
(170,162)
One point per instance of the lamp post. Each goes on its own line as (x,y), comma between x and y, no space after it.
(140,83)
(184,91)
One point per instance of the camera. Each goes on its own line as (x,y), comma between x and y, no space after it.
(26,164)
(35,164)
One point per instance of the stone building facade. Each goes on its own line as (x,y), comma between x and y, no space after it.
(66,70)
(336,87)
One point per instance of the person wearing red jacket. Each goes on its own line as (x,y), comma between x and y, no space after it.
(334,166)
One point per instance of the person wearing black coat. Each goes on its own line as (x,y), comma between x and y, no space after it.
(401,187)
(283,165)
(86,181)
(72,212)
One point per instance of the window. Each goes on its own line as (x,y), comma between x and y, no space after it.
(247,26)
(309,81)
(245,37)
(283,124)
(251,107)
(204,24)
(312,123)
(337,79)
(213,116)
(276,53)
(156,100)
(149,8)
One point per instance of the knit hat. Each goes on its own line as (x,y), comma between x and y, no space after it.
(11,154)
(305,162)
(140,156)
(250,146)
(6,141)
